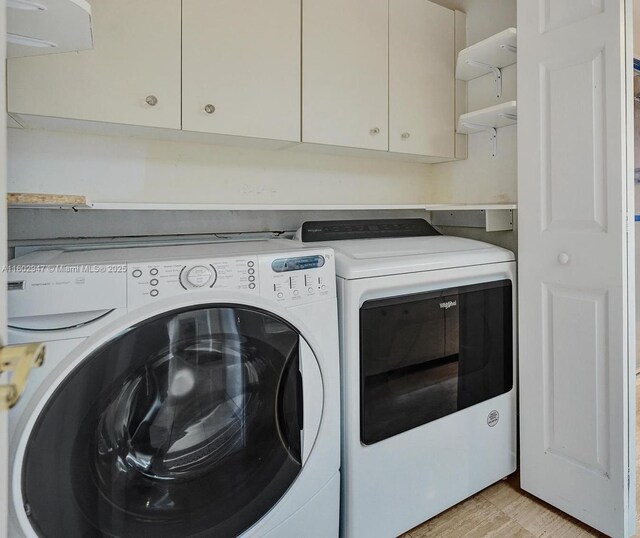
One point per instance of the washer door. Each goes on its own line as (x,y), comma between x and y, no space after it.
(187,424)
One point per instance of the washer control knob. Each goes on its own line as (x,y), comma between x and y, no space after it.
(199,276)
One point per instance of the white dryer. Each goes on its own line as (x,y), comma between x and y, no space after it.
(188,391)
(428,358)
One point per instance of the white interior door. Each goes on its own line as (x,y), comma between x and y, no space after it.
(576,277)
(4,493)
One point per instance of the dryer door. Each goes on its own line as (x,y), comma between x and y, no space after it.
(187,424)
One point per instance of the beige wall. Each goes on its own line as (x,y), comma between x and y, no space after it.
(119,169)
(483,178)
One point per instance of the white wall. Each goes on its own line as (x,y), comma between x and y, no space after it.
(636,89)
(112,169)
(485,17)
(636,28)
(482,178)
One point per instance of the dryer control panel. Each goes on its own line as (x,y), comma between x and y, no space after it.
(285,279)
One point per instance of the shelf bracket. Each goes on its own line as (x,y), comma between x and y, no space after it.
(492,220)
(509,47)
(487,129)
(497,74)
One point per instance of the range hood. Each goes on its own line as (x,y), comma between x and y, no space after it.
(36,27)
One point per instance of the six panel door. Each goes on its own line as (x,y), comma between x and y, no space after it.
(575,233)
(345,73)
(241,68)
(132,75)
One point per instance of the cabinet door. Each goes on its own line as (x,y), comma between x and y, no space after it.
(135,61)
(421,78)
(241,67)
(345,73)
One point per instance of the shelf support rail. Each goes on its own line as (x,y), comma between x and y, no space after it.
(497,73)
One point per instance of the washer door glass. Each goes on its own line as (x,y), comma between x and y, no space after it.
(187,424)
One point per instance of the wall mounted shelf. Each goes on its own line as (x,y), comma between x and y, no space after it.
(488,56)
(249,207)
(37,27)
(492,217)
(488,120)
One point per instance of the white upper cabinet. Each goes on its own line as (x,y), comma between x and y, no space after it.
(338,75)
(132,75)
(421,78)
(345,73)
(241,67)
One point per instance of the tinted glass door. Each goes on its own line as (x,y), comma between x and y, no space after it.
(187,424)
(428,355)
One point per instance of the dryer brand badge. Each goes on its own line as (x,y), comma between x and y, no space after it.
(448,304)
(493,418)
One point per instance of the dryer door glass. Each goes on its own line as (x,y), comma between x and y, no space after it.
(428,355)
(188,424)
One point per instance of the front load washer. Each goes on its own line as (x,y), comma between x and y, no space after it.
(428,351)
(188,391)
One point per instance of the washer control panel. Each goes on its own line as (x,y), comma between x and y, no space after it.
(198,276)
(287,279)
(147,281)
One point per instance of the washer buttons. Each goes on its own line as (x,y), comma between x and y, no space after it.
(252,278)
(252,286)
(154,293)
(153,272)
(250,264)
(136,273)
(280,295)
(154,282)
(251,271)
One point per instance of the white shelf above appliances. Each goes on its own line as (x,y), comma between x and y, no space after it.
(489,120)
(488,56)
(36,27)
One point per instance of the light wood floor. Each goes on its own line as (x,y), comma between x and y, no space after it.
(505,510)
(502,510)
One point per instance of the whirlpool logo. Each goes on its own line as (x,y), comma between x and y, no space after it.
(448,304)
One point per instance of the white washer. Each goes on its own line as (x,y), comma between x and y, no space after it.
(428,358)
(187,391)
